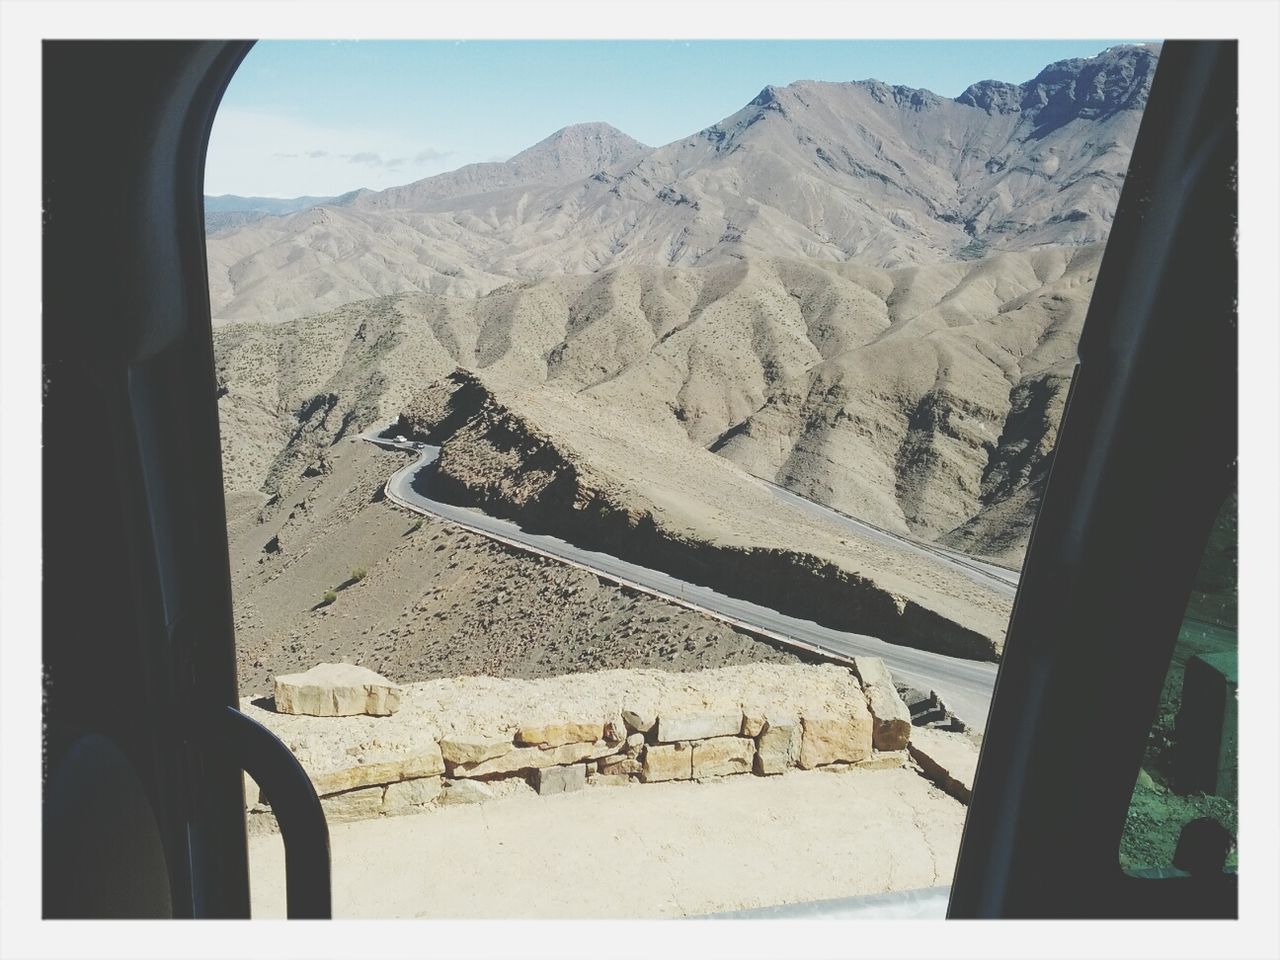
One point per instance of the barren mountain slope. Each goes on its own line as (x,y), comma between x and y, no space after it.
(919,399)
(355,247)
(434,601)
(569,154)
(228,211)
(884,175)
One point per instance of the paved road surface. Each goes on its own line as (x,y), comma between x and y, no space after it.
(965,685)
(999,579)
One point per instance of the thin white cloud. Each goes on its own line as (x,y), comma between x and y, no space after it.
(262,154)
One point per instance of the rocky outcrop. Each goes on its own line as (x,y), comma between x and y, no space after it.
(336,690)
(834,738)
(948,759)
(891,726)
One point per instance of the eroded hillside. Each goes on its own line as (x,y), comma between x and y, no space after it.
(924,400)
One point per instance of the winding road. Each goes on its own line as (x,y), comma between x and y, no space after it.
(965,685)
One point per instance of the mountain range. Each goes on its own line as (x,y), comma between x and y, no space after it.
(884,175)
(868,295)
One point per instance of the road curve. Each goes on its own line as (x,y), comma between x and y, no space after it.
(965,685)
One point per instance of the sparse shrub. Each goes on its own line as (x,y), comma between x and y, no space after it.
(415,526)
(329,597)
(358,573)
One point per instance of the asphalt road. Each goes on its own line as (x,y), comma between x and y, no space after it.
(965,685)
(999,579)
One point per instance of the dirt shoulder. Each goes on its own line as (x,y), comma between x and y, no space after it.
(659,850)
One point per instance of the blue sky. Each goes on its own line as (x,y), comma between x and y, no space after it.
(321,118)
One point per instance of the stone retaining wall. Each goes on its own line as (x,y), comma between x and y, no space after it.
(467,739)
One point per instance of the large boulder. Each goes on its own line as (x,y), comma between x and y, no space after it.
(548,780)
(698,726)
(836,737)
(336,690)
(948,759)
(778,746)
(558,734)
(722,756)
(891,719)
(362,804)
(672,761)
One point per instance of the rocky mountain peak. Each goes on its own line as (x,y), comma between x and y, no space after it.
(1088,88)
(897,95)
(765,97)
(1117,79)
(993,96)
(581,149)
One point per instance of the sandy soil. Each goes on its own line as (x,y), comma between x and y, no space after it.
(657,850)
